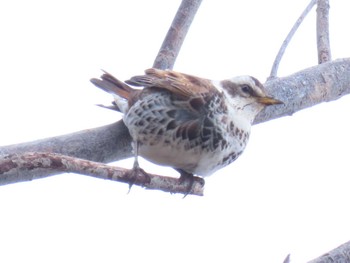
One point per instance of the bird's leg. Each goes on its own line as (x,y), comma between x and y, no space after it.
(136,155)
(186,178)
(137,173)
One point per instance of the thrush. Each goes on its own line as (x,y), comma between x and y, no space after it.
(194,125)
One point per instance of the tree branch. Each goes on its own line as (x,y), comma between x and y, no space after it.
(322,83)
(177,32)
(340,254)
(287,259)
(22,165)
(103,144)
(285,43)
(323,43)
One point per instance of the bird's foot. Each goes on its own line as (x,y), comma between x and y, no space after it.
(139,176)
(186,179)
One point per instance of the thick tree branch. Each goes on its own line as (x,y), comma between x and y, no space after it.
(323,43)
(22,164)
(177,32)
(325,82)
(285,43)
(103,144)
(340,254)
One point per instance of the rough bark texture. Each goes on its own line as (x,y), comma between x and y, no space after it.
(323,43)
(103,144)
(18,167)
(176,34)
(340,254)
(325,82)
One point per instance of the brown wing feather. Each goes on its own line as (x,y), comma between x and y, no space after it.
(113,85)
(175,82)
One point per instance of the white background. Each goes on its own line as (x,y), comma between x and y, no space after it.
(288,193)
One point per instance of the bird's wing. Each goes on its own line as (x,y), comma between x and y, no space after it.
(175,82)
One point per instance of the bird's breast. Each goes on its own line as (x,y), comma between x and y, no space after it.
(170,133)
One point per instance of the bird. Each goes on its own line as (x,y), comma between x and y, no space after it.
(192,124)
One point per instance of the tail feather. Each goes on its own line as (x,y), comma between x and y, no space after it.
(112,85)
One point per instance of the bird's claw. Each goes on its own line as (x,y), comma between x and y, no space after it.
(139,176)
(187,179)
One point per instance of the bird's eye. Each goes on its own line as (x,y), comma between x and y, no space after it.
(246,89)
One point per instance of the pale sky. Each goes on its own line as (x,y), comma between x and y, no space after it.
(288,192)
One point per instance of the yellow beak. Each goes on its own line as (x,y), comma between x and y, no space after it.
(269,101)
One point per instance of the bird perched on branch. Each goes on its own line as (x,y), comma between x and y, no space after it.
(194,125)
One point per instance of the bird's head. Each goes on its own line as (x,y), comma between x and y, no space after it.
(246,93)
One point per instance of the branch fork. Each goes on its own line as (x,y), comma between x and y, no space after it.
(50,156)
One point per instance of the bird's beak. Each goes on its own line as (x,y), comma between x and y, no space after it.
(269,101)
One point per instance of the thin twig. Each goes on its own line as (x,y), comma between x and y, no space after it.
(177,32)
(285,43)
(20,164)
(322,21)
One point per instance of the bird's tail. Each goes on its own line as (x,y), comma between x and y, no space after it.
(112,85)
(121,91)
